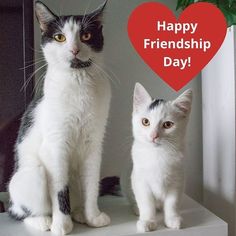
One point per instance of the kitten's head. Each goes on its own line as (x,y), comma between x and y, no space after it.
(70,41)
(156,121)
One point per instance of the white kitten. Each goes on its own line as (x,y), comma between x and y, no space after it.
(158,172)
(59,147)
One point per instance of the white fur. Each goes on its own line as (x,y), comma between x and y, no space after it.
(64,146)
(158,173)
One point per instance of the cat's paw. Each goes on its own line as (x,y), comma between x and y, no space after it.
(42,223)
(46,223)
(62,225)
(173,222)
(99,221)
(78,216)
(146,226)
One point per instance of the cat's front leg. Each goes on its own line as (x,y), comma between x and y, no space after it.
(89,178)
(146,205)
(56,160)
(173,219)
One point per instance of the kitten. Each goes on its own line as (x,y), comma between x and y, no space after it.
(157,177)
(59,146)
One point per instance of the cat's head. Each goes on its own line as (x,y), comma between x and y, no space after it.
(71,41)
(156,121)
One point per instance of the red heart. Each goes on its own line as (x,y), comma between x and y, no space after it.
(143,25)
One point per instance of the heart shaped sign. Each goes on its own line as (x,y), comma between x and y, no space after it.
(177,50)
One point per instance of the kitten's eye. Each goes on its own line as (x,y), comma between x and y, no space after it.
(86,36)
(60,38)
(145,122)
(168,124)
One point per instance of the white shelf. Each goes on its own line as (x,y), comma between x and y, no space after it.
(198,221)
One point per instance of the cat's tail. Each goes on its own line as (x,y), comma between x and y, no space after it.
(17,212)
(28,193)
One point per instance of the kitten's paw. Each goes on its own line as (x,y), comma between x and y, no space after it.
(78,216)
(42,223)
(99,221)
(146,226)
(62,225)
(173,222)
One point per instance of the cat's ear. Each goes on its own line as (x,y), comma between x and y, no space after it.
(97,15)
(184,102)
(44,15)
(141,97)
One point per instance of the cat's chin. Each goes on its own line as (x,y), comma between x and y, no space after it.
(78,64)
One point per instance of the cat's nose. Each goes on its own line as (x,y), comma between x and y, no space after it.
(75,51)
(155,137)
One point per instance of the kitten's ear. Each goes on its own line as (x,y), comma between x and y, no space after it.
(44,15)
(141,97)
(184,101)
(97,14)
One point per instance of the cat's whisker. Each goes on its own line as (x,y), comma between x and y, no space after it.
(38,83)
(32,75)
(115,76)
(33,64)
(90,20)
(85,12)
(99,71)
(38,58)
(105,73)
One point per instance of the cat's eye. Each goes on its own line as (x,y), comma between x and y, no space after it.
(86,36)
(145,122)
(60,38)
(168,124)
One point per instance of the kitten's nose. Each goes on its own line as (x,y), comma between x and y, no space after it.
(154,137)
(75,51)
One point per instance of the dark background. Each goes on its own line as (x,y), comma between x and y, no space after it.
(16,52)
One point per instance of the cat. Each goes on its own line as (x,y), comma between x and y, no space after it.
(59,146)
(157,169)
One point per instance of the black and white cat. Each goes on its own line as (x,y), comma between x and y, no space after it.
(157,167)
(59,147)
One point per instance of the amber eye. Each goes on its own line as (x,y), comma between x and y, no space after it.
(86,36)
(168,124)
(60,38)
(145,122)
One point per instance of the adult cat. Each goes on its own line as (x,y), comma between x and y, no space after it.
(59,146)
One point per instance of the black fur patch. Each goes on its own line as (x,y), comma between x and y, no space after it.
(78,64)
(94,27)
(64,200)
(15,216)
(155,103)
(27,120)
(97,40)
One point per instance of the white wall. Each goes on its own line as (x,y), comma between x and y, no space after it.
(122,60)
(218,89)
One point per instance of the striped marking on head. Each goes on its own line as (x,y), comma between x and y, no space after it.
(155,103)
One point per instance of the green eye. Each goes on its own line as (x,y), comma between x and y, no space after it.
(60,38)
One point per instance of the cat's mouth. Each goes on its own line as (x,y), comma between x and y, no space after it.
(78,64)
